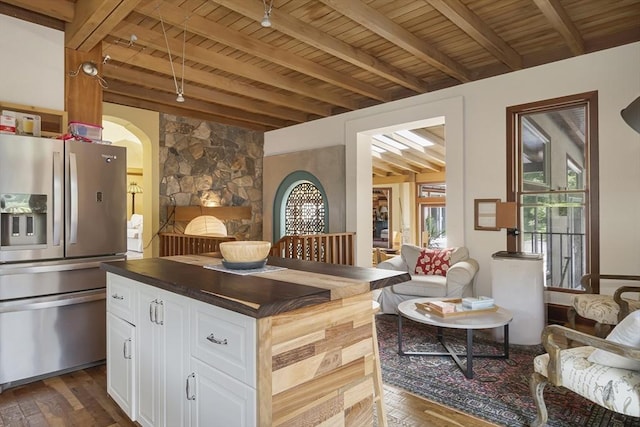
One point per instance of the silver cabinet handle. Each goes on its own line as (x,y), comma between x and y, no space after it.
(73,202)
(116,296)
(215,340)
(152,312)
(188,387)
(58,218)
(127,355)
(160,318)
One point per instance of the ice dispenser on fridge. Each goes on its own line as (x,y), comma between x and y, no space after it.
(23,219)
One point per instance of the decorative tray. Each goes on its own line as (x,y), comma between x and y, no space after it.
(451,308)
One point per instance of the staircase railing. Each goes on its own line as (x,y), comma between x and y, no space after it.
(332,248)
(187,244)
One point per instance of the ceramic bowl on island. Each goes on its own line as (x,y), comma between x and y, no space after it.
(245,254)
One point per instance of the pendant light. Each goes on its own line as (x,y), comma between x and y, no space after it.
(179,90)
(266,22)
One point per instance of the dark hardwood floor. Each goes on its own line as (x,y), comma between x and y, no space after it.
(75,399)
(80,399)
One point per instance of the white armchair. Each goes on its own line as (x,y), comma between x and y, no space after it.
(457,283)
(607,372)
(134,233)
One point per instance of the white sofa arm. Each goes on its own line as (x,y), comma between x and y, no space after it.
(460,278)
(396,263)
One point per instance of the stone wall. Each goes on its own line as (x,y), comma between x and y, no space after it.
(211,164)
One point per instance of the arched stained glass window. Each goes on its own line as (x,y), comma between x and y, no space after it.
(304,210)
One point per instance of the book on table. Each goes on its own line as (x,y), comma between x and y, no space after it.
(457,307)
(477,302)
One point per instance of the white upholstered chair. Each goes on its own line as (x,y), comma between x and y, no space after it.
(206,225)
(605,371)
(134,233)
(605,310)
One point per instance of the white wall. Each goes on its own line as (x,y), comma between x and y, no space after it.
(476,149)
(32,71)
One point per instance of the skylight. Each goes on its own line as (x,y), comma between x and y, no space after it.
(418,139)
(391,142)
(377,149)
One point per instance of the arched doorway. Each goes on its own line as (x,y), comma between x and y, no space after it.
(300,206)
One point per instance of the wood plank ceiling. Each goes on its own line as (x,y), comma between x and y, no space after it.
(321,57)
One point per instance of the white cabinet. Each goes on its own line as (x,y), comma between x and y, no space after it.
(222,386)
(218,399)
(121,343)
(163,358)
(120,367)
(184,363)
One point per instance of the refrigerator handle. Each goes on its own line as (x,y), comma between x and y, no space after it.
(57,197)
(73,201)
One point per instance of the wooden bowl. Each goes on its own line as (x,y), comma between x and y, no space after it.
(245,251)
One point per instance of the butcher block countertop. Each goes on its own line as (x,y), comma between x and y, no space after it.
(299,284)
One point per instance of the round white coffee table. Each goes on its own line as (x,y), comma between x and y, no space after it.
(469,322)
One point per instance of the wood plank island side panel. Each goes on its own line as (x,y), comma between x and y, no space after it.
(264,369)
(322,361)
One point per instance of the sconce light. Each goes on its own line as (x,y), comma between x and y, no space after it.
(493,215)
(631,114)
(507,217)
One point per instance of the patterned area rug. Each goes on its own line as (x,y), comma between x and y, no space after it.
(499,391)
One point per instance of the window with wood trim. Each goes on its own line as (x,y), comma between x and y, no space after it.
(552,175)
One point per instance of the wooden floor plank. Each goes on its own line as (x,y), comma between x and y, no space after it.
(79,399)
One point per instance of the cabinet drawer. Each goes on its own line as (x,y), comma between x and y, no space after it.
(225,340)
(121,297)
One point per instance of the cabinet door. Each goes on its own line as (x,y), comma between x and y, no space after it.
(149,360)
(174,318)
(219,400)
(120,363)
(163,362)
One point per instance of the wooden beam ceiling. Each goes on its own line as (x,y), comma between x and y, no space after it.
(321,58)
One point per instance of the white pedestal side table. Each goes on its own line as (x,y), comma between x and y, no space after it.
(517,284)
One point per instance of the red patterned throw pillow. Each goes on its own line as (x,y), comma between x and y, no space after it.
(434,262)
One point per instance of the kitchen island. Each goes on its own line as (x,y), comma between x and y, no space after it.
(195,346)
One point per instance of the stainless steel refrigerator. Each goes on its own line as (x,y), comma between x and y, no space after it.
(62,213)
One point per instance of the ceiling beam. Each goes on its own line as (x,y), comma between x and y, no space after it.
(192,104)
(399,161)
(89,15)
(156,41)
(421,162)
(166,84)
(119,13)
(395,179)
(162,65)
(63,10)
(221,34)
(431,177)
(384,27)
(477,29)
(178,111)
(315,37)
(560,20)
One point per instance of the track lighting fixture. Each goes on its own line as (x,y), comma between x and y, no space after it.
(180,89)
(90,69)
(266,21)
